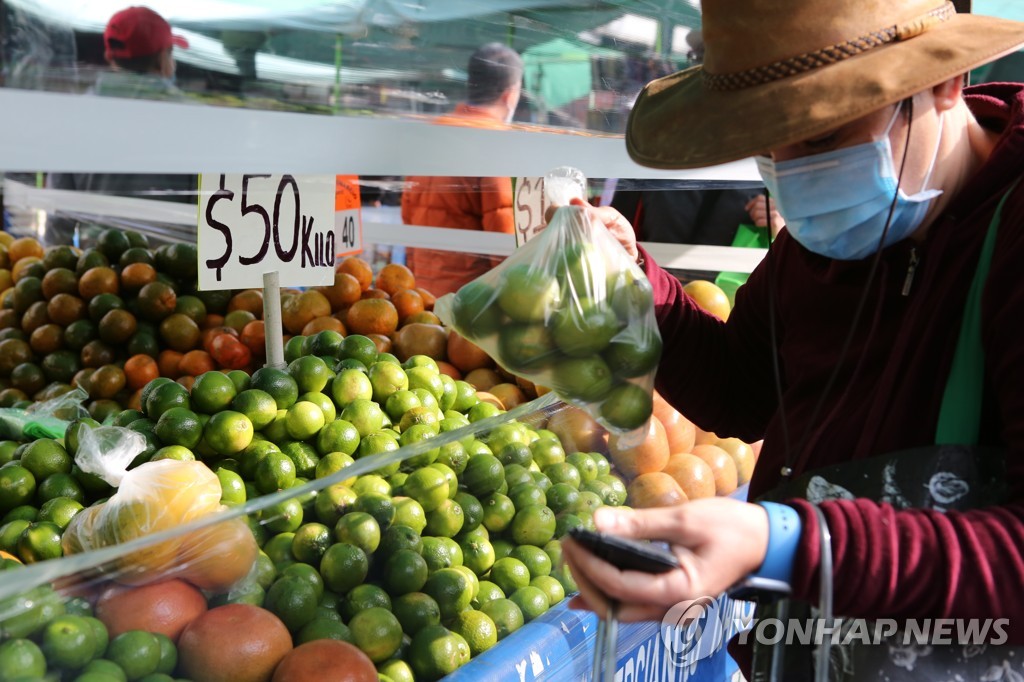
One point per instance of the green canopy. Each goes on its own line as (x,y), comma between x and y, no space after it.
(559,71)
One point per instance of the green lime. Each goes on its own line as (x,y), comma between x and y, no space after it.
(40,541)
(175,452)
(409,512)
(563,472)
(528,294)
(324,628)
(436,652)
(213,392)
(395,670)
(445,520)
(451,589)
(399,537)
(322,401)
(21,659)
(275,471)
(228,432)
(586,503)
(179,426)
(634,353)
(59,511)
(332,463)
(137,653)
(441,553)
(400,402)
(377,632)
(551,588)
(165,396)
(46,457)
(377,505)
(103,670)
(404,572)
(505,614)
(527,348)
(168,657)
(584,329)
(387,378)
(477,629)
(477,555)
(25,512)
(343,567)
(293,348)
(358,347)
(350,385)
(278,384)
(627,407)
(282,517)
(415,611)
(536,560)
(360,529)
(483,475)
(310,542)
(10,532)
(338,436)
(362,597)
(510,574)
(428,486)
(532,601)
(259,406)
(450,476)
(562,496)
(584,464)
(586,379)
(472,511)
(293,600)
(498,512)
(365,415)
(18,486)
(310,373)
(533,525)
(333,502)
(527,494)
(232,487)
(488,592)
(61,485)
(304,420)
(372,483)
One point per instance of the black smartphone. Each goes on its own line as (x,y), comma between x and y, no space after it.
(624,553)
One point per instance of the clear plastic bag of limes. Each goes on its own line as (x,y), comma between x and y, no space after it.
(570,310)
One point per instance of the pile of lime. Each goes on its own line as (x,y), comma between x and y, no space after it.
(421,564)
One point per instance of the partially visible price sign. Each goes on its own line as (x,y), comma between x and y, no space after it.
(257,223)
(348,220)
(530,204)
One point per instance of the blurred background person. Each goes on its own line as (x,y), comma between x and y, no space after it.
(494,83)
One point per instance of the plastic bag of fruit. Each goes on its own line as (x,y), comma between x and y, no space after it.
(569,310)
(47,419)
(153,497)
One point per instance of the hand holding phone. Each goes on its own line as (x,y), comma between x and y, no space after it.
(626,554)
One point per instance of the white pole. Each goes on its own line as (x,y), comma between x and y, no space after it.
(272,319)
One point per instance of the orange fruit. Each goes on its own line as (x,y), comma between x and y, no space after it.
(233,643)
(106,382)
(449,369)
(510,395)
(24,247)
(376,293)
(297,311)
(407,302)
(96,281)
(465,354)
(320,324)
(250,300)
(577,430)
(742,456)
(490,399)
(208,335)
(702,437)
(654,489)
(693,475)
(428,298)
(424,317)
(420,339)
(483,379)
(135,401)
(393,277)
(180,332)
(709,297)
(681,432)
(212,320)
(137,275)
(58,281)
(359,269)
(165,608)
(169,363)
(372,316)
(188,381)
(722,465)
(649,456)
(345,291)
(326,659)
(64,309)
(139,370)
(254,337)
(218,556)
(382,342)
(195,362)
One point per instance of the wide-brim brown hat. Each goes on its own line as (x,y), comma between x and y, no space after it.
(777,72)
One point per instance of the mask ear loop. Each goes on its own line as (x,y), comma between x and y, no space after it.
(788,467)
(772,331)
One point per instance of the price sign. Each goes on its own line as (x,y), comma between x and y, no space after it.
(256,223)
(530,204)
(348,219)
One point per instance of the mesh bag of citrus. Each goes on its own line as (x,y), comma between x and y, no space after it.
(569,310)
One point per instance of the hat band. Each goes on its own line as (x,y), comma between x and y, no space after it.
(832,54)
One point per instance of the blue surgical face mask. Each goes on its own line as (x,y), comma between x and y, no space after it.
(836,204)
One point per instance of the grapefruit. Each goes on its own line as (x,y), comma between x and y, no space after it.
(165,608)
(326,659)
(654,489)
(722,465)
(578,431)
(465,354)
(693,475)
(742,456)
(709,297)
(233,643)
(648,457)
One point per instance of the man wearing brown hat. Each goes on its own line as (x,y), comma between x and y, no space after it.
(877,349)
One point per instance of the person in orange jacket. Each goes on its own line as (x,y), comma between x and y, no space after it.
(495,75)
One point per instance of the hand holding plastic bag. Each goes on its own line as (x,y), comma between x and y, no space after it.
(153,497)
(569,310)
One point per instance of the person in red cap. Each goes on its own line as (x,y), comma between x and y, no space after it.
(138,45)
